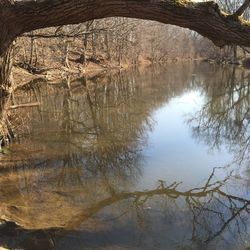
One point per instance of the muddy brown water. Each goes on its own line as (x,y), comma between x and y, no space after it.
(139,159)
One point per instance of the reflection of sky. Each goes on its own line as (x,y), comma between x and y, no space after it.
(173,154)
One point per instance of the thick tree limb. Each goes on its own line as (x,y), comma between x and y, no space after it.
(204,17)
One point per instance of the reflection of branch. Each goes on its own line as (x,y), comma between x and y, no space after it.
(224,119)
(204,203)
(143,196)
(195,199)
(235,213)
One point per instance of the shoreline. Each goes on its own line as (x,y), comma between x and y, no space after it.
(56,75)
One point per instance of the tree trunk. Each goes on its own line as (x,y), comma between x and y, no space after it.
(32,46)
(6,62)
(93,44)
(106,42)
(66,59)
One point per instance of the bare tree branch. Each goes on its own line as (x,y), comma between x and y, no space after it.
(242,8)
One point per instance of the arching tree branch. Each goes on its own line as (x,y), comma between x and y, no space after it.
(203,17)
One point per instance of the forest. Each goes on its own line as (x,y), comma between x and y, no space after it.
(55,52)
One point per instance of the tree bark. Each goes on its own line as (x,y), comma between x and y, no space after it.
(6,62)
(203,17)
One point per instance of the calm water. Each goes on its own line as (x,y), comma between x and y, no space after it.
(147,159)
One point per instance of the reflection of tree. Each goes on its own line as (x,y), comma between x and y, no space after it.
(224,118)
(5,124)
(103,113)
(108,100)
(87,137)
(14,119)
(212,211)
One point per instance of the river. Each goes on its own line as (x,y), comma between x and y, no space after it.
(154,158)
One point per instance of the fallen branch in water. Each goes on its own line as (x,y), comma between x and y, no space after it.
(24,105)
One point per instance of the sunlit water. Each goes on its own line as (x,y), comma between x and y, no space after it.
(172,153)
(147,159)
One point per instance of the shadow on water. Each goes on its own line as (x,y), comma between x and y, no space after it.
(69,179)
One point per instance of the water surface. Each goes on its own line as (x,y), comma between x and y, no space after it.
(139,159)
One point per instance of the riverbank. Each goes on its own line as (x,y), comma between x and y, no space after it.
(58,72)
(22,76)
(244,63)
